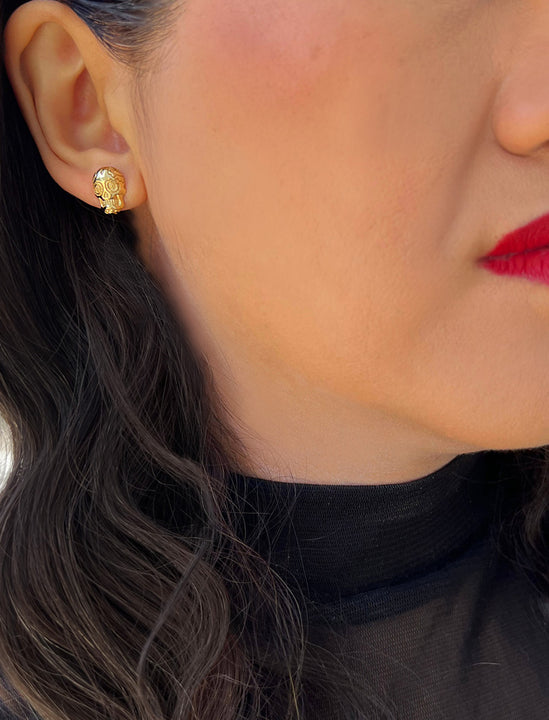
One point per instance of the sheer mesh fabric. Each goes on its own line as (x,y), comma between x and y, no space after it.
(408,585)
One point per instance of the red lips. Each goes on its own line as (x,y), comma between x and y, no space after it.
(523,252)
(533,236)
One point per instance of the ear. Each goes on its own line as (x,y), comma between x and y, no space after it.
(74,97)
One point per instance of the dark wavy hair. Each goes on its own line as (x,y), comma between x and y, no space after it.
(126,591)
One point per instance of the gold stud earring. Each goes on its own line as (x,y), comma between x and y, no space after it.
(110,186)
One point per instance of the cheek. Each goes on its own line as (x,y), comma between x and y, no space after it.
(274,47)
(280,119)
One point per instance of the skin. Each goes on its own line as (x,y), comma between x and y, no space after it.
(315,188)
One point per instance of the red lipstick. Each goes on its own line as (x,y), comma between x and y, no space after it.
(523,252)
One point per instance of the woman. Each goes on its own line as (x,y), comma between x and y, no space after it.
(279,424)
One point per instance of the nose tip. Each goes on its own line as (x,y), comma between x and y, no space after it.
(520,119)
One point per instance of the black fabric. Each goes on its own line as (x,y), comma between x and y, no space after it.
(421,602)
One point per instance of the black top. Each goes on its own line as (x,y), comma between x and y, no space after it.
(421,602)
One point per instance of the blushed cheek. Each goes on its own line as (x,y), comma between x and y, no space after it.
(285,47)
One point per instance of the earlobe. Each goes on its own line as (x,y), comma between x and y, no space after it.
(62,77)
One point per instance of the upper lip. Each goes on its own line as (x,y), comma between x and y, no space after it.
(532,236)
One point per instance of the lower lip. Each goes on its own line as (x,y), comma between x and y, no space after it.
(531,264)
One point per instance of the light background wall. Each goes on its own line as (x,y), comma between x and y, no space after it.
(5,453)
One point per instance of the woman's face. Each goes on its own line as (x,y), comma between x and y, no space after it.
(324,176)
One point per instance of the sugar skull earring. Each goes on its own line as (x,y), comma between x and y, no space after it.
(109,185)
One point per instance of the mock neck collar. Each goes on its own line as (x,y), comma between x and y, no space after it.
(338,540)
